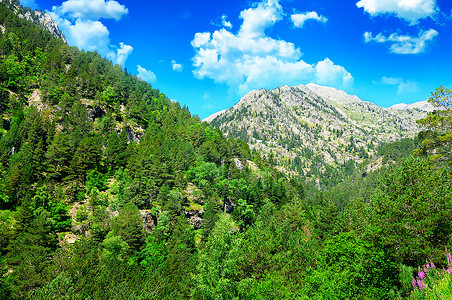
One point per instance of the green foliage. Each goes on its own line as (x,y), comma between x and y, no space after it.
(59,288)
(59,155)
(398,150)
(211,215)
(57,209)
(441,288)
(181,260)
(104,145)
(86,157)
(128,225)
(29,254)
(437,138)
(244,213)
(217,263)
(119,189)
(349,268)
(154,254)
(413,211)
(116,149)
(95,180)
(115,248)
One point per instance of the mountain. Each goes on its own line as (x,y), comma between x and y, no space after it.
(92,158)
(110,190)
(37,17)
(314,130)
(422,105)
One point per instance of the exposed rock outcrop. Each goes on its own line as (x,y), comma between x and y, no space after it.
(38,17)
(149,221)
(194,216)
(310,129)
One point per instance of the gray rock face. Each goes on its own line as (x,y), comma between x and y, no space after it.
(44,20)
(40,18)
(194,216)
(149,221)
(314,128)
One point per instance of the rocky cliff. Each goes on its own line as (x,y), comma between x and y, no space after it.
(314,130)
(38,17)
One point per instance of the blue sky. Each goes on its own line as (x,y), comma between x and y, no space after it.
(208,54)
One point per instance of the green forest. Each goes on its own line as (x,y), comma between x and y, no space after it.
(109,190)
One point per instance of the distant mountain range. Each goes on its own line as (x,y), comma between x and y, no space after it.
(312,130)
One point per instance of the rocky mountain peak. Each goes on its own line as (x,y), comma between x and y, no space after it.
(312,130)
(38,17)
(421,105)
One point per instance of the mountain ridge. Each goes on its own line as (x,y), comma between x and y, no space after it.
(312,131)
(37,17)
(320,90)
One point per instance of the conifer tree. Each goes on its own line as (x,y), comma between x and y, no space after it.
(437,138)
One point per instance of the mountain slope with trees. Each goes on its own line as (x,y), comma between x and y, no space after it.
(109,190)
(316,132)
(88,150)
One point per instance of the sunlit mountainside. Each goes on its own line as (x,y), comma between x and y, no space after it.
(312,131)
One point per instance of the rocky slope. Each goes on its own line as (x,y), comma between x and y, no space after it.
(314,130)
(38,17)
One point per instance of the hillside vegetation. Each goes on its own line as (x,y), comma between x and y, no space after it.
(316,132)
(109,190)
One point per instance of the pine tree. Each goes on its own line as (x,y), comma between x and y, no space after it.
(437,139)
(59,155)
(129,226)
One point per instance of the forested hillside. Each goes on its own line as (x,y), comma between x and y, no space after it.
(109,190)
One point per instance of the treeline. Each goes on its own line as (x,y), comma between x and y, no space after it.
(108,190)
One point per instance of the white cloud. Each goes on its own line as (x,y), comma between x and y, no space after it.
(176,67)
(403,44)
(260,17)
(146,75)
(225,22)
(79,22)
(403,86)
(86,35)
(330,74)
(121,54)
(298,20)
(250,59)
(29,3)
(91,9)
(222,22)
(410,10)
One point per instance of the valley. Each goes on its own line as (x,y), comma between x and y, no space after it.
(110,189)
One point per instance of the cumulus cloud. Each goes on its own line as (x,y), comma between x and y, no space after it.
(146,75)
(330,74)
(250,59)
(121,54)
(79,22)
(410,10)
(91,9)
(403,86)
(298,20)
(260,17)
(86,35)
(29,3)
(403,44)
(176,67)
